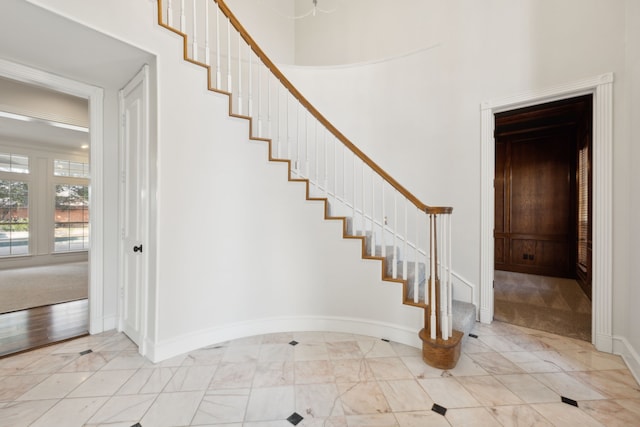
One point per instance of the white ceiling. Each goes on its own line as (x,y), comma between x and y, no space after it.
(41,133)
(32,36)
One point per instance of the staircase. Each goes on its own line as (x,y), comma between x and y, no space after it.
(411,239)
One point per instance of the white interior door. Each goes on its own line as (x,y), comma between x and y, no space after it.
(134,207)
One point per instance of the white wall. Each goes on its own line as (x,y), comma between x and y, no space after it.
(418,114)
(485,50)
(365,30)
(632,112)
(238,249)
(268,24)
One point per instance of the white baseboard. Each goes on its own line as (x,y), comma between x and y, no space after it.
(485,316)
(622,347)
(110,322)
(166,349)
(603,342)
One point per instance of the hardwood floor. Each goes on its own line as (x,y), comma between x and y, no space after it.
(37,327)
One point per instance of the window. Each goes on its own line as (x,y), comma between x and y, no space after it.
(14,163)
(14,217)
(71,222)
(72,169)
(44,204)
(583,207)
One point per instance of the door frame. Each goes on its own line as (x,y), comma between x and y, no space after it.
(602,89)
(94,96)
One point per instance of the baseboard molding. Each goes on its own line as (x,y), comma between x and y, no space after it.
(166,349)
(485,315)
(110,322)
(630,356)
(603,342)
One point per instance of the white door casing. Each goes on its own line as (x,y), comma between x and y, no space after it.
(134,208)
(602,89)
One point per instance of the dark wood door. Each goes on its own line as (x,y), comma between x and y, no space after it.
(536,181)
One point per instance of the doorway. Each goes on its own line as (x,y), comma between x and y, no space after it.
(44,216)
(601,86)
(86,315)
(543,216)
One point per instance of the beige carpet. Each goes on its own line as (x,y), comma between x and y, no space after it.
(548,304)
(22,288)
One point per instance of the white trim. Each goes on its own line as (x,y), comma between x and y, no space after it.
(166,349)
(622,347)
(601,87)
(95,97)
(110,322)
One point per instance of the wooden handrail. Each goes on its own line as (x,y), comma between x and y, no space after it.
(303,101)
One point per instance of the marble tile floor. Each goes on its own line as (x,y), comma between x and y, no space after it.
(507,376)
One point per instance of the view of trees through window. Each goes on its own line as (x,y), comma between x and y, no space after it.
(26,196)
(71,218)
(14,218)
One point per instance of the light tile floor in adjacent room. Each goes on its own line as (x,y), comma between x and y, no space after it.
(507,376)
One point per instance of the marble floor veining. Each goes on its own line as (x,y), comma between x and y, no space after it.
(507,376)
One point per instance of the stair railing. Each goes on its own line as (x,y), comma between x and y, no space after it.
(395,225)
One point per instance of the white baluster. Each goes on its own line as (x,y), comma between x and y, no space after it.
(287,123)
(373,214)
(278,140)
(394,268)
(364,218)
(416,261)
(335,170)
(383,226)
(169,14)
(183,19)
(353,198)
(218,64)
(259,98)
(432,263)
(207,50)
(307,171)
(317,154)
(239,73)
(444,284)
(326,163)
(344,175)
(269,130)
(405,273)
(449,278)
(250,82)
(229,78)
(194,46)
(297,138)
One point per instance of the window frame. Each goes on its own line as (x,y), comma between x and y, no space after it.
(41,183)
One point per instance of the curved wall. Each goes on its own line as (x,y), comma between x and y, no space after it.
(418,114)
(238,249)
